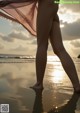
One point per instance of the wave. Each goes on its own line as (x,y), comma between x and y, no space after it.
(28,58)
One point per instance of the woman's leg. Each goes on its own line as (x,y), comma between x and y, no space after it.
(59,50)
(46,12)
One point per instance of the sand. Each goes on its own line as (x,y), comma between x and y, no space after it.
(57,96)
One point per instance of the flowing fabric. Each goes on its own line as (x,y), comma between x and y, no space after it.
(24,13)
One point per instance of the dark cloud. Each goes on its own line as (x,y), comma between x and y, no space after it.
(17,35)
(6,38)
(71,30)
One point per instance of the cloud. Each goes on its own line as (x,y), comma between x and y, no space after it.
(19,28)
(76,43)
(15,35)
(1,46)
(69,15)
(34,42)
(71,31)
(71,7)
(71,48)
(20,48)
(6,38)
(69,12)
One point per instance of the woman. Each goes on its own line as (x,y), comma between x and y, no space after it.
(48,28)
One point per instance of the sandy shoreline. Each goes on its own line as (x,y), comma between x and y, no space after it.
(16,78)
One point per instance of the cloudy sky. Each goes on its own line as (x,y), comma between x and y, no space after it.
(14,39)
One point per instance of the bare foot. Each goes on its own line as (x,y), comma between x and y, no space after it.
(37,86)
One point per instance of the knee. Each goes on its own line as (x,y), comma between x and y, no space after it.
(58,50)
(42,47)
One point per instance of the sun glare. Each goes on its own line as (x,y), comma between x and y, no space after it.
(62,25)
(57,76)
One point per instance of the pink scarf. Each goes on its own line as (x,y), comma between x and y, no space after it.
(23,13)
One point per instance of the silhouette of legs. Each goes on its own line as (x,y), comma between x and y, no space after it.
(46,13)
(48,25)
(59,50)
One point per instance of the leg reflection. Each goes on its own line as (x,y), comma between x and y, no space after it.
(38,107)
(70,107)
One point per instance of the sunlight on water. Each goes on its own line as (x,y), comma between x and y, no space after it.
(52,58)
(57,76)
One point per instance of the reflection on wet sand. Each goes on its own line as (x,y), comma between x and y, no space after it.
(15,80)
(38,105)
(19,103)
(69,107)
(25,103)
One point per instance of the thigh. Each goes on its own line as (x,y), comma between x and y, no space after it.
(46,12)
(55,34)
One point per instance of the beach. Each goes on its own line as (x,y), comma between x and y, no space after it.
(17,76)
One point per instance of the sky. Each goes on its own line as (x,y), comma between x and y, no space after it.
(14,39)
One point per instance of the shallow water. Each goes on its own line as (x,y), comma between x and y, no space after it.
(57,96)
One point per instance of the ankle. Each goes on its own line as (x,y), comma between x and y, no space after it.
(39,83)
(77,88)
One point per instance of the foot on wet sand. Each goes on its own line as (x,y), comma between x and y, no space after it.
(37,87)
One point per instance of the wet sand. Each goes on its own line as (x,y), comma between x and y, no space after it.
(57,96)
